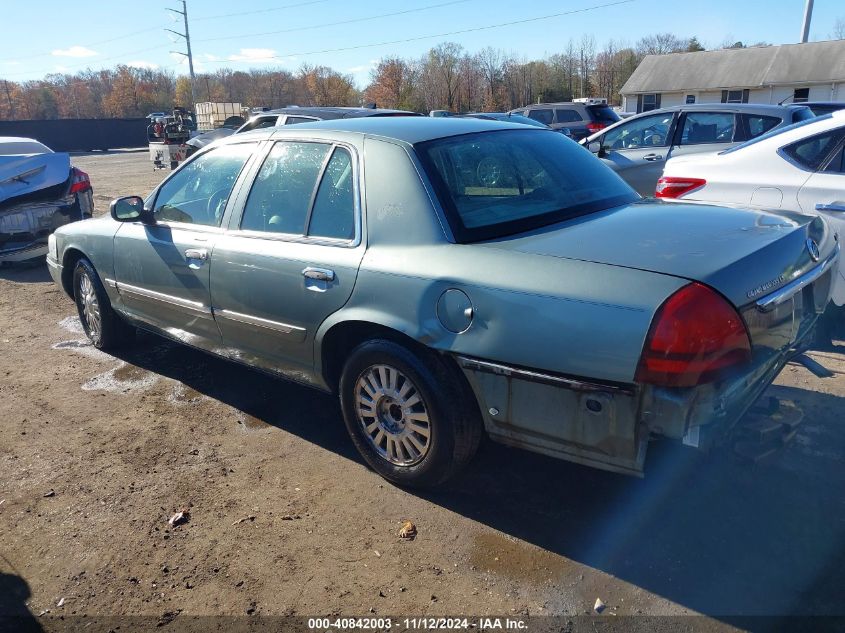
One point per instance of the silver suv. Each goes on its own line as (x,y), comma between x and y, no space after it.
(582,119)
(638,147)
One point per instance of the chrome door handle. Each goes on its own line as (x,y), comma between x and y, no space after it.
(833,206)
(321,274)
(653,157)
(196,253)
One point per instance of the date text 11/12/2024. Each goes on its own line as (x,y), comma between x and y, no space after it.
(418,624)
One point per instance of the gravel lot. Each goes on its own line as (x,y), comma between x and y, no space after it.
(99,451)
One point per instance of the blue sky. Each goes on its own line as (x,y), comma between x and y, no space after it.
(288,33)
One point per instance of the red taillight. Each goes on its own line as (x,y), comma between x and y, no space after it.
(79,180)
(673,187)
(595,127)
(695,337)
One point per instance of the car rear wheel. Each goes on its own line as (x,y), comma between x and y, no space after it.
(103,326)
(409,414)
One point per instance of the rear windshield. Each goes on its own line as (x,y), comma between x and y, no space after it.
(603,114)
(802,114)
(13,148)
(777,130)
(503,182)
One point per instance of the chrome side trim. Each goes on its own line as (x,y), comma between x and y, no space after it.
(548,379)
(248,319)
(111,283)
(193,307)
(771,301)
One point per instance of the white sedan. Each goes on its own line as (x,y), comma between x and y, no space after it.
(798,168)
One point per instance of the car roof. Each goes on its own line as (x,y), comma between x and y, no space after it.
(409,130)
(729,107)
(325,112)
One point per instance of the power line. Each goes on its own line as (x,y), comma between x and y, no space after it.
(327,24)
(428,37)
(256,11)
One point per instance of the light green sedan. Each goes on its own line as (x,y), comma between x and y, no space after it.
(451,277)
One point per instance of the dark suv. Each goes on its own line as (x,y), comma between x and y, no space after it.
(582,119)
(292,115)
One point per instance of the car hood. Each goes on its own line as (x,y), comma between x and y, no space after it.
(22,174)
(209,137)
(736,251)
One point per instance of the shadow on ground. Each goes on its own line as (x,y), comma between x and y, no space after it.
(711,534)
(29,272)
(14,614)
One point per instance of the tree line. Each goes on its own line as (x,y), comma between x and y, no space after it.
(447,77)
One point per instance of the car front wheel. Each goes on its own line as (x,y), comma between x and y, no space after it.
(409,414)
(103,326)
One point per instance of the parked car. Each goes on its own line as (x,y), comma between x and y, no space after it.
(39,191)
(290,116)
(582,119)
(447,277)
(513,118)
(797,168)
(638,147)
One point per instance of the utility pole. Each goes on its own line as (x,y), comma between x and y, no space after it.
(805,27)
(187,36)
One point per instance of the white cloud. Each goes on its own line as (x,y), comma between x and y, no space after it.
(363,67)
(143,64)
(75,51)
(263,55)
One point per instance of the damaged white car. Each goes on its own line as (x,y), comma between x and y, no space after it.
(39,192)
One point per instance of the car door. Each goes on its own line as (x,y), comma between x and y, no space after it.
(638,148)
(161,270)
(291,255)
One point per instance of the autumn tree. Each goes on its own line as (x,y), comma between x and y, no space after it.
(391,84)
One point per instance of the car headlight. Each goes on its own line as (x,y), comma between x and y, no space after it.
(52,248)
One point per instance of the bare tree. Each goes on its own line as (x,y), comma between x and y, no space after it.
(660,44)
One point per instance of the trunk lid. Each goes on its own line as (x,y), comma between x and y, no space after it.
(742,253)
(23,174)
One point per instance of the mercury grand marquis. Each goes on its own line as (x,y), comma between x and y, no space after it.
(453,277)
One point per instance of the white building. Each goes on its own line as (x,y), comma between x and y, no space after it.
(792,73)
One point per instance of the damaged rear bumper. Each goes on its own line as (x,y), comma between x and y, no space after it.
(24,228)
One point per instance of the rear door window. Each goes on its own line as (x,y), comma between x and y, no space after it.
(707,127)
(757,124)
(811,153)
(293,120)
(543,115)
(281,194)
(303,189)
(567,116)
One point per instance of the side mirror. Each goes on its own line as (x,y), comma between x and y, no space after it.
(130,209)
(595,147)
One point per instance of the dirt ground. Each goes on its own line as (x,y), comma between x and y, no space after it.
(98,451)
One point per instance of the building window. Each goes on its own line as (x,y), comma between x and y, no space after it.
(648,102)
(801,95)
(735,96)
(690,99)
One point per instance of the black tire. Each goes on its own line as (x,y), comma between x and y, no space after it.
(454,423)
(112,331)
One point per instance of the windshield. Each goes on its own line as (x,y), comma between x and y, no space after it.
(774,132)
(502,182)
